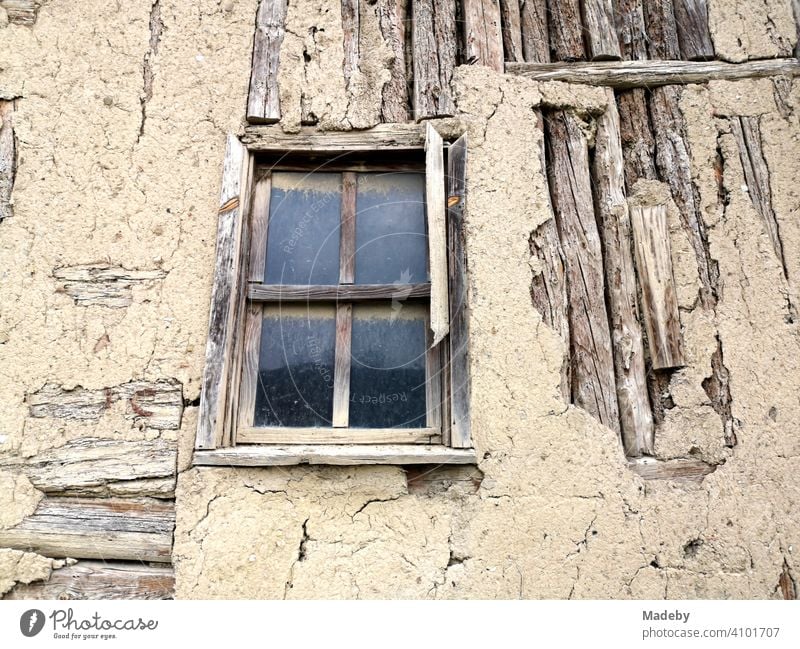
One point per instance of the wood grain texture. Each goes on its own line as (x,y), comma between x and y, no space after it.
(398,137)
(691,20)
(89,466)
(662,32)
(343,455)
(82,528)
(512,30)
(224,293)
(392,17)
(636,418)
(433,384)
(263,101)
(638,145)
(347,231)
(483,38)
(434,40)
(566,30)
(21,12)
(437,234)
(349,292)
(631,30)
(458,367)
(351,28)
(591,362)
(259,226)
(659,299)
(679,469)
(635,74)
(103,284)
(8,158)
(249,383)
(105,580)
(535,33)
(600,31)
(341,370)
(293,436)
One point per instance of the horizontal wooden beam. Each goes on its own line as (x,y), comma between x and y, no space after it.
(343,455)
(650,468)
(396,137)
(634,74)
(275,435)
(344,292)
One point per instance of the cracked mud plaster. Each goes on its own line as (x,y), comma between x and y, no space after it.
(21,567)
(751,29)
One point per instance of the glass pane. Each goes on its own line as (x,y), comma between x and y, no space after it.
(391,245)
(295,366)
(387,373)
(303,235)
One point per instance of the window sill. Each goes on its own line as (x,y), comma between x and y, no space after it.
(344,454)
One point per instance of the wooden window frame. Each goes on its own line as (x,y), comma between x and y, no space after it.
(225,431)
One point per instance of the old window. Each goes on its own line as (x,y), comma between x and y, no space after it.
(338,322)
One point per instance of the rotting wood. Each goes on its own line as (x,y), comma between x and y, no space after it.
(152,404)
(343,455)
(535,33)
(21,12)
(8,158)
(341,371)
(691,20)
(263,102)
(392,16)
(634,74)
(349,292)
(636,418)
(211,416)
(292,436)
(512,30)
(591,363)
(717,387)
(566,30)
(311,140)
(679,469)
(483,36)
(601,34)
(662,32)
(106,580)
(82,528)
(434,38)
(103,284)
(747,132)
(659,298)
(101,467)
(458,367)
(631,30)
(638,146)
(437,234)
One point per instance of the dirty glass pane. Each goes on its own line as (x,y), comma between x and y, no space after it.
(391,245)
(295,366)
(303,233)
(387,373)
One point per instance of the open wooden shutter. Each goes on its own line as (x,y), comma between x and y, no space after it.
(437,232)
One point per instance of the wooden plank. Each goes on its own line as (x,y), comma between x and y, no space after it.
(21,12)
(483,38)
(292,436)
(659,299)
(434,40)
(636,418)
(396,137)
(81,528)
(259,226)
(103,284)
(535,34)
(662,32)
(679,469)
(591,361)
(747,132)
(252,347)
(632,33)
(512,30)
(347,231)
(638,145)
(601,34)
(211,416)
(437,233)
(89,466)
(633,74)
(8,159)
(351,27)
(691,19)
(344,455)
(566,30)
(263,101)
(460,385)
(106,580)
(433,383)
(341,370)
(349,292)
(392,16)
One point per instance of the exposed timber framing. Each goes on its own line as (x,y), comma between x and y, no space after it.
(434,41)
(566,30)
(399,137)
(8,158)
(691,19)
(535,33)
(680,469)
(483,36)
(263,101)
(601,34)
(392,18)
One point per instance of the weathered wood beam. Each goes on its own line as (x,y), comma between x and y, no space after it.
(631,30)
(659,297)
(103,284)
(483,36)
(691,19)
(512,30)
(105,580)
(602,42)
(81,528)
(435,203)
(8,158)
(592,364)
(636,74)
(662,32)
(351,28)
(102,467)
(263,101)
(392,16)
(293,436)
(566,30)
(638,146)
(399,137)
(679,469)
(349,292)
(636,418)
(535,33)
(21,12)
(434,39)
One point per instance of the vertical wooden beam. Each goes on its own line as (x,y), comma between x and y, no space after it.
(592,364)
(659,299)
(636,418)
(482,33)
(566,30)
(351,26)
(392,21)
(535,34)
(341,370)
(512,30)
(662,33)
(630,26)
(263,102)
(638,146)
(601,34)
(347,234)
(437,233)
(434,42)
(8,158)
(252,346)
(259,226)
(460,391)
(691,19)
(433,382)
